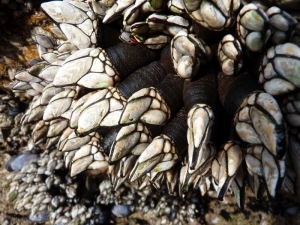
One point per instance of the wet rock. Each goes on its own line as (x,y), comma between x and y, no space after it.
(121,210)
(17,162)
(40,217)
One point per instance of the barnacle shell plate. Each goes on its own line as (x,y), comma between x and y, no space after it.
(101,109)
(280,69)
(89,68)
(261,111)
(147,106)
(79,27)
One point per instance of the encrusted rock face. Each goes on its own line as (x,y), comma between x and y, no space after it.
(45,188)
(145,126)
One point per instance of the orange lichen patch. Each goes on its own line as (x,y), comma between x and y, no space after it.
(19,59)
(2,69)
(42,19)
(30,52)
(19,49)
(36,18)
(5,85)
(8,61)
(47,27)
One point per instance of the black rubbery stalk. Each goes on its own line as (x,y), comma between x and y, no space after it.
(209,36)
(107,36)
(171,91)
(176,130)
(109,138)
(149,75)
(232,133)
(166,59)
(203,90)
(234,89)
(128,58)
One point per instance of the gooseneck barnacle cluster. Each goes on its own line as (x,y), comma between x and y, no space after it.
(147,112)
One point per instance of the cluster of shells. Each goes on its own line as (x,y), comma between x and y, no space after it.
(199,95)
(39,183)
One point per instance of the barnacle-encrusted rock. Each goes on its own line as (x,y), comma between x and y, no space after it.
(36,187)
(84,95)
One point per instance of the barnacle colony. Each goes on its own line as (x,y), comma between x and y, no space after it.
(100,112)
